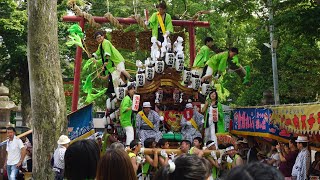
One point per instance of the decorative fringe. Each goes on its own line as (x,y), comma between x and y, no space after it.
(113,20)
(78,12)
(140,20)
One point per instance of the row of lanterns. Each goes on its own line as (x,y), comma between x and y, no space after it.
(156,65)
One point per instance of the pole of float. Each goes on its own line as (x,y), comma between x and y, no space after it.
(192,45)
(77,71)
(177,151)
(19,136)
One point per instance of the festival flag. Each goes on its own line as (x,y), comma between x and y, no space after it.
(80,123)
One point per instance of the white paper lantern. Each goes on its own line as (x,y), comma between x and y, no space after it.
(140,78)
(150,73)
(170,58)
(159,66)
(120,92)
(186,76)
(179,62)
(196,82)
(205,89)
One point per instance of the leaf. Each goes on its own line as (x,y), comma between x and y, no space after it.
(74,40)
(87,64)
(87,86)
(77,30)
(91,97)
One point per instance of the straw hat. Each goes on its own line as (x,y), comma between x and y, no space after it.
(302,139)
(146,105)
(63,139)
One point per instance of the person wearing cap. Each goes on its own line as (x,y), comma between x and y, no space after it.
(108,138)
(191,123)
(135,147)
(147,123)
(160,22)
(112,60)
(58,157)
(233,158)
(212,158)
(300,170)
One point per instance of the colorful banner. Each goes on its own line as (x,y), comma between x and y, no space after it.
(299,119)
(256,122)
(80,123)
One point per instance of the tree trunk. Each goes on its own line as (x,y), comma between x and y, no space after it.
(25,93)
(46,87)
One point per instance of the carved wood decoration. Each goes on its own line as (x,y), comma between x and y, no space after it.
(169,82)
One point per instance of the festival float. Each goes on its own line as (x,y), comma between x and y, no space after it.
(162,78)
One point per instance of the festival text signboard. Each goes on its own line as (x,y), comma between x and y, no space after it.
(80,123)
(257,121)
(299,118)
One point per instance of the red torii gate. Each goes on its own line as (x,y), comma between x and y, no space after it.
(76,82)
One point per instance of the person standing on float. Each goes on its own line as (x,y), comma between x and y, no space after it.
(160,22)
(214,118)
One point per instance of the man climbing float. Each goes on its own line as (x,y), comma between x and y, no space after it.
(113,62)
(219,63)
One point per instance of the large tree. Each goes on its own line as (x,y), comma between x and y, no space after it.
(46,87)
(13,53)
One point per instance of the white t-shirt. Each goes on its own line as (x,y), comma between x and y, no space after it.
(14,150)
(275,156)
(58,157)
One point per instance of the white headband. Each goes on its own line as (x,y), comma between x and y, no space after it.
(210,144)
(229,148)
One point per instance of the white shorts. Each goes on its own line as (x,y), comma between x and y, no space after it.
(129,134)
(116,74)
(120,67)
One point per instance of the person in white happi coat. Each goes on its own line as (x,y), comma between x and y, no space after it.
(191,123)
(147,123)
(300,170)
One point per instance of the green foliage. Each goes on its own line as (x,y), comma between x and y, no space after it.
(241,23)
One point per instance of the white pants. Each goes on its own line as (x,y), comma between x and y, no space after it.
(210,134)
(116,74)
(129,134)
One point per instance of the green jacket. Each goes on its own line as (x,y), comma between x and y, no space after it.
(220,123)
(125,115)
(154,24)
(202,57)
(219,61)
(110,50)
